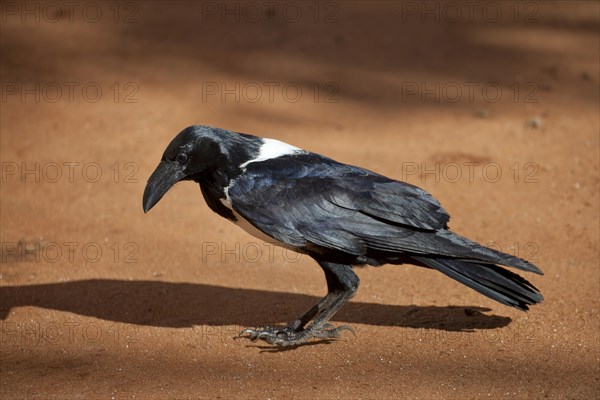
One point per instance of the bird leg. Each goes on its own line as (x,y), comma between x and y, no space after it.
(297,324)
(342,284)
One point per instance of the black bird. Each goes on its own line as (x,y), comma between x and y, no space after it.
(340,215)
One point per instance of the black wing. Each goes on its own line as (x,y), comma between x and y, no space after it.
(307,189)
(310,200)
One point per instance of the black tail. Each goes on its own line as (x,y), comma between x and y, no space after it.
(489,279)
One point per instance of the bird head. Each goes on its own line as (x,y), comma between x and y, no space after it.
(192,153)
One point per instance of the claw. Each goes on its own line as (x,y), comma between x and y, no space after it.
(251,334)
(266,333)
(346,328)
(263,335)
(288,337)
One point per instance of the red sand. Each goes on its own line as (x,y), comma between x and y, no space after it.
(401,91)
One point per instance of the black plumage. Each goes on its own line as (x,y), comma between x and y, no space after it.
(340,215)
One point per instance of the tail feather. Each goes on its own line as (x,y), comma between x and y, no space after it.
(470,250)
(490,280)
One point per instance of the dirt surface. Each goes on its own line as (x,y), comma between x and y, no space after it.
(494,110)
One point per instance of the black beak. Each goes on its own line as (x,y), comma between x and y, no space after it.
(162,179)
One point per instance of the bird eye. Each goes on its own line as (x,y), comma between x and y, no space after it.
(181,158)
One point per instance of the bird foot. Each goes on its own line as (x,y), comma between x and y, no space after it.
(290,337)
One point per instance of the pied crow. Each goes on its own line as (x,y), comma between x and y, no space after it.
(340,215)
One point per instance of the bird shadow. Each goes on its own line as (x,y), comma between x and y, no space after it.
(178,305)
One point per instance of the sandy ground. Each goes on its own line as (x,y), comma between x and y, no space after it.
(492,107)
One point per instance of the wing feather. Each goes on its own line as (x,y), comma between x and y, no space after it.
(309,199)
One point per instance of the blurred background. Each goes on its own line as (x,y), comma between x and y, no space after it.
(491,106)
